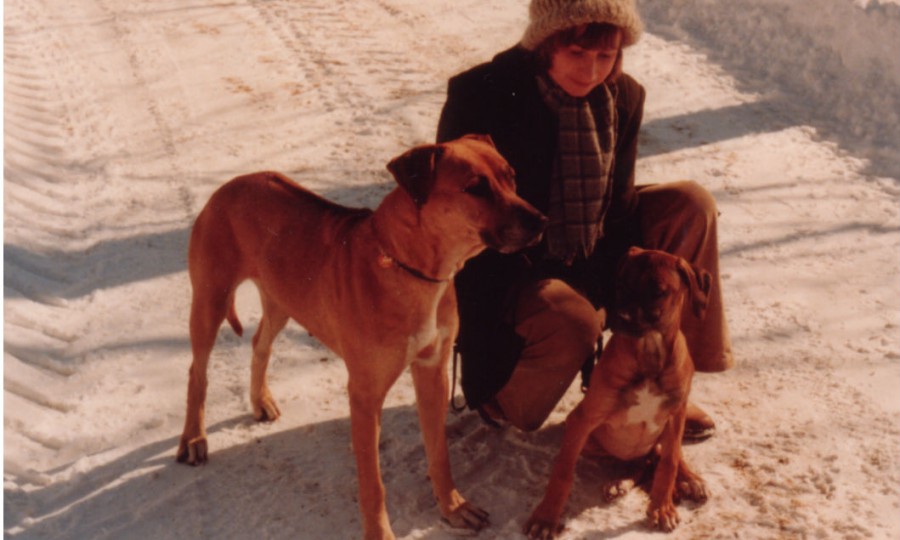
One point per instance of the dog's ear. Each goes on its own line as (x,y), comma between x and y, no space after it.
(415,170)
(699,283)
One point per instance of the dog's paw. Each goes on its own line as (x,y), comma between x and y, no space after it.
(663,517)
(193,452)
(467,516)
(691,488)
(265,409)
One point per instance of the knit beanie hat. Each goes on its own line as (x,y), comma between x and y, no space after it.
(547,17)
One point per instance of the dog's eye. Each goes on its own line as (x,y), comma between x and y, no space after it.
(511,173)
(659,294)
(479,187)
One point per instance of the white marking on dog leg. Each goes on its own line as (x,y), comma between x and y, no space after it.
(425,346)
(425,349)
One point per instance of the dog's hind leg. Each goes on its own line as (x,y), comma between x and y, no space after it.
(209,308)
(273,321)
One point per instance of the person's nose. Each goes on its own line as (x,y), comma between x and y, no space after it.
(590,68)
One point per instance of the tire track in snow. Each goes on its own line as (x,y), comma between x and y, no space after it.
(64,220)
(43,213)
(340,51)
(377,68)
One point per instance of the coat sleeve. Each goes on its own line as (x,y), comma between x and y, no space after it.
(487,341)
(463,111)
(630,110)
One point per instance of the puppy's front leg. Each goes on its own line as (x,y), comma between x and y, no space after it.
(595,409)
(432,393)
(544,520)
(591,413)
(661,513)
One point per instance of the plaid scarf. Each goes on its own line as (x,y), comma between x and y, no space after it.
(580,189)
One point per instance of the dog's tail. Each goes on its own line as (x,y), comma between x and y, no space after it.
(233,320)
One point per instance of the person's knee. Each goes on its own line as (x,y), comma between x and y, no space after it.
(695,200)
(565,317)
(530,424)
(577,335)
(526,412)
(561,329)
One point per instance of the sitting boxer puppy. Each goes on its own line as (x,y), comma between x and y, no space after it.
(638,394)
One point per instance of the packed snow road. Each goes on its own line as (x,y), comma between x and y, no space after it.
(122,117)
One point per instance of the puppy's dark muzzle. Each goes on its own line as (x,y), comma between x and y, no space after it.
(633,319)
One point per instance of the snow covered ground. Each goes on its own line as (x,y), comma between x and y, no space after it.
(120,119)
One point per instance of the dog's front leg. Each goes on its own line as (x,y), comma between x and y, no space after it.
(432,394)
(365,425)
(661,513)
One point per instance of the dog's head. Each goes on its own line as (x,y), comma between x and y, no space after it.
(651,289)
(467,184)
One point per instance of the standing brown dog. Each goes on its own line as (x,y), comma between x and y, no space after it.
(639,390)
(374,286)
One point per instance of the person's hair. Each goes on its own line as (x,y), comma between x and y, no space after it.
(587,36)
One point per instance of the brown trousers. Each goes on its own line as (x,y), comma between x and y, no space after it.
(561,327)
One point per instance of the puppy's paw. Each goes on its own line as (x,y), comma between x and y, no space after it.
(540,530)
(542,526)
(617,488)
(691,488)
(663,517)
(193,452)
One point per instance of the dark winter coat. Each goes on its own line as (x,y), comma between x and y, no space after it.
(501,98)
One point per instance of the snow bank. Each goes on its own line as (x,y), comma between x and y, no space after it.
(836,63)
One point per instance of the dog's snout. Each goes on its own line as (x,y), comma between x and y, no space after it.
(523,228)
(532,220)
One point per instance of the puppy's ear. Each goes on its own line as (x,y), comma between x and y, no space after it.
(481,137)
(415,170)
(699,283)
(623,261)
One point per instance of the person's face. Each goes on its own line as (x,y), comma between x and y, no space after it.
(578,70)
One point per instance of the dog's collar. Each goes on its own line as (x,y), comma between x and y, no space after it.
(386,261)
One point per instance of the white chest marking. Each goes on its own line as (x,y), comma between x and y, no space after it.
(646,408)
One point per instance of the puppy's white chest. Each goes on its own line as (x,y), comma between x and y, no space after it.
(647,401)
